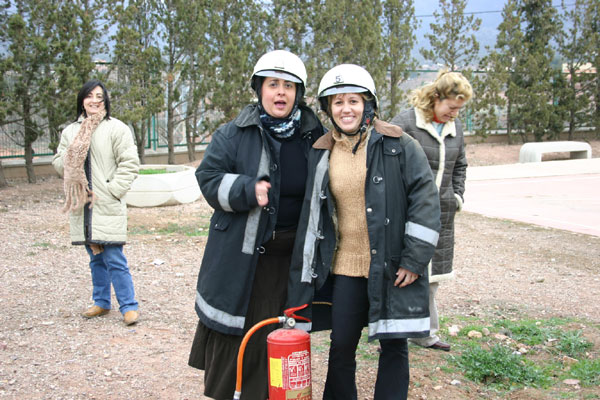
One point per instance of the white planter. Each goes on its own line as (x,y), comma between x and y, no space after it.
(177,186)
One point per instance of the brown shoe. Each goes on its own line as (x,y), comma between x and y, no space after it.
(94,311)
(439,345)
(131,317)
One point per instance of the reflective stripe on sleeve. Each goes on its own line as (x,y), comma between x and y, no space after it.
(423,233)
(398,326)
(308,253)
(219,316)
(254,215)
(224,189)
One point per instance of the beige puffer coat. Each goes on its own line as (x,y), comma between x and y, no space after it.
(113,164)
(448,162)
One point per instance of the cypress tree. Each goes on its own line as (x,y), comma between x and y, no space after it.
(138,90)
(575,49)
(236,42)
(592,27)
(534,111)
(399,39)
(496,77)
(46,61)
(347,31)
(453,39)
(195,16)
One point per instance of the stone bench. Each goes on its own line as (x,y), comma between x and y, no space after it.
(177,186)
(532,152)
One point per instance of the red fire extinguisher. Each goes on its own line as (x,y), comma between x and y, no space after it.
(288,350)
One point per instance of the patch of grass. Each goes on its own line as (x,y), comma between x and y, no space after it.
(44,245)
(572,343)
(171,229)
(499,367)
(527,331)
(444,321)
(154,171)
(468,328)
(587,371)
(535,332)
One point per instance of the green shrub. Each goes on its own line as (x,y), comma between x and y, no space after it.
(587,371)
(572,343)
(529,332)
(500,367)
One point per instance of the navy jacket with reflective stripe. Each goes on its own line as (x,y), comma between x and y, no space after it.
(402,210)
(239,155)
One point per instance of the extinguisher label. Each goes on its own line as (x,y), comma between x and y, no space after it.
(292,372)
(298,370)
(275,369)
(304,394)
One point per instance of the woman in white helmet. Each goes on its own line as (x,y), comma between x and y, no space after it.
(375,183)
(253,174)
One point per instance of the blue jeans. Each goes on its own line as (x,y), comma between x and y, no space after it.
(349,313)
(108,267)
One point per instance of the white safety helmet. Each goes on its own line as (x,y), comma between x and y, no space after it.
(280,64)
(346,78)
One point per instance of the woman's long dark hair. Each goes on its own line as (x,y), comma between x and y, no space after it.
(83,93)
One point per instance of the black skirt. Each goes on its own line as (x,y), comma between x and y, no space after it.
(216,353)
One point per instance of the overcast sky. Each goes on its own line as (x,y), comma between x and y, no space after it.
(489,11)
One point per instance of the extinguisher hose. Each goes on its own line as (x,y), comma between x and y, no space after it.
(240,358)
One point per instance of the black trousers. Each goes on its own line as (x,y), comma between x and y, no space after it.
(349,315)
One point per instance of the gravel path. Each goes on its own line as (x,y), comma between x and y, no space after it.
(47,351)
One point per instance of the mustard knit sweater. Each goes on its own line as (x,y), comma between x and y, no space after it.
(347,174)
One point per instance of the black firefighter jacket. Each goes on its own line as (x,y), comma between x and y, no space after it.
(239,155)
(403,212)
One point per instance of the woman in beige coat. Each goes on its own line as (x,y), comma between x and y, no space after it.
(98,160)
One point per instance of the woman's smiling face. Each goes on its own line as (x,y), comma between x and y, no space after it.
(347,110)
(94,101)
(278,96)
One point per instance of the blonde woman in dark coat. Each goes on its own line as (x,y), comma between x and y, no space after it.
(433,123)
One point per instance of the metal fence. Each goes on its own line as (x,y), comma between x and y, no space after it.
(11,138)
(11,135)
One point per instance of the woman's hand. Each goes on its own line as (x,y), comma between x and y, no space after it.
(404,277)
(262,192)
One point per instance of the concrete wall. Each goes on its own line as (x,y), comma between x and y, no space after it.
(15,168)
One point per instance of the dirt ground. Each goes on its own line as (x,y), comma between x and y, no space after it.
(47,351)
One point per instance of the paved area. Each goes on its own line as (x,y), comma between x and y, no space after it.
(559,194)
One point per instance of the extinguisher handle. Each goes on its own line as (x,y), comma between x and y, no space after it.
(290,313)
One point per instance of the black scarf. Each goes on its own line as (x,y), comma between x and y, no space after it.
(280,128)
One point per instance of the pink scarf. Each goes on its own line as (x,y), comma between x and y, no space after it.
(77,191)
